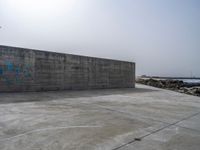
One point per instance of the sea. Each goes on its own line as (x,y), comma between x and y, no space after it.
(195,81)
(190,80)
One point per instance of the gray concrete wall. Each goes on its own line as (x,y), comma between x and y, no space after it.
(32,70)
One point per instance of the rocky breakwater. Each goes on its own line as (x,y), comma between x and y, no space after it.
(175,85)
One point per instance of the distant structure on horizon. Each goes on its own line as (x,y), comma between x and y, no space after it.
(162,77)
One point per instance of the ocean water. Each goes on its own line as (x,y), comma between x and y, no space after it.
(184,80)
(190,80)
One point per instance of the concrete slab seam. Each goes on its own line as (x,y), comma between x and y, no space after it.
(158,130)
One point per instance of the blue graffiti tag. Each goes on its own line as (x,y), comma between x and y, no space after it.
(1,71)
(17,70)
(14,72)
(9,65)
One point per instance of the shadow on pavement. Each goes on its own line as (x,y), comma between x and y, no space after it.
(53,95)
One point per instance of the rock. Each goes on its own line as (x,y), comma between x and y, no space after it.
(175,85)
(196,91)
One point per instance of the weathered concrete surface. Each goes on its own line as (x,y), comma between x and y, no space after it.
(100,120)
(33,70)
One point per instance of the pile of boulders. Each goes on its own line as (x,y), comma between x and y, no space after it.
(192,91)
(168,84)
(175,85)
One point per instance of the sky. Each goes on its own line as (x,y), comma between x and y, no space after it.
(161,36)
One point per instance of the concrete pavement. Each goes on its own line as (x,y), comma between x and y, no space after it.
(144,118)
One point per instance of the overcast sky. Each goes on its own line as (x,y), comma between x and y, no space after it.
(161,36)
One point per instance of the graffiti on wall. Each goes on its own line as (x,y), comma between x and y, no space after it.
(14,72)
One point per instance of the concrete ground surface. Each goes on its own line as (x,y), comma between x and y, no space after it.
(144,118)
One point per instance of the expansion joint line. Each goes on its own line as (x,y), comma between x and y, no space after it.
(153,132)
(128,114)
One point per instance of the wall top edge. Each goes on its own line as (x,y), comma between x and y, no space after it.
(29,49)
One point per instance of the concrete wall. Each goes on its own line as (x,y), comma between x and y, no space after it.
(33,70)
